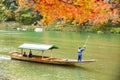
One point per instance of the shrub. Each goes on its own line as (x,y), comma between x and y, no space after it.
(26,19)
(115,30)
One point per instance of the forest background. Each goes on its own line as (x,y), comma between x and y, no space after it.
(18,14)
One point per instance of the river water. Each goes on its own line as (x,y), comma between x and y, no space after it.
(103,48)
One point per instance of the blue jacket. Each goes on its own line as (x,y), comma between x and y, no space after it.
(80,51)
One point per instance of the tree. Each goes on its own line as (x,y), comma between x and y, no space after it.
(80,11)
(7,10)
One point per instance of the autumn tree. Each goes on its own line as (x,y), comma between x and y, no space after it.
(80,11)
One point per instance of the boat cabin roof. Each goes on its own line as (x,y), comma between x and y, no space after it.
(37,46)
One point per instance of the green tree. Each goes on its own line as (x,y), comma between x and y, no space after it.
(25,16)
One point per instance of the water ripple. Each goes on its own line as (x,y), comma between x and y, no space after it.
(4,57)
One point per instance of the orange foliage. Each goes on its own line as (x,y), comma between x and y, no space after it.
(21,2)
(95,11)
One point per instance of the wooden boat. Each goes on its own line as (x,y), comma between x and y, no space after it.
(43,59)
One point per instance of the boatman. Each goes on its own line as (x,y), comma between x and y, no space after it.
(80,50)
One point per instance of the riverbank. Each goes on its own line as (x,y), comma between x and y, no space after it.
(60,27)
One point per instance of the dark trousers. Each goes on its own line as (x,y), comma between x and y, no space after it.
(79,58)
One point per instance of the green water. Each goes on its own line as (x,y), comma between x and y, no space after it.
(104,48)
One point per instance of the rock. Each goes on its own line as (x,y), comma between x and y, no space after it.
(100,32)
(38,30)
(18,29)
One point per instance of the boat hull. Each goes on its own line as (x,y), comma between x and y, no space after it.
(46,59)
